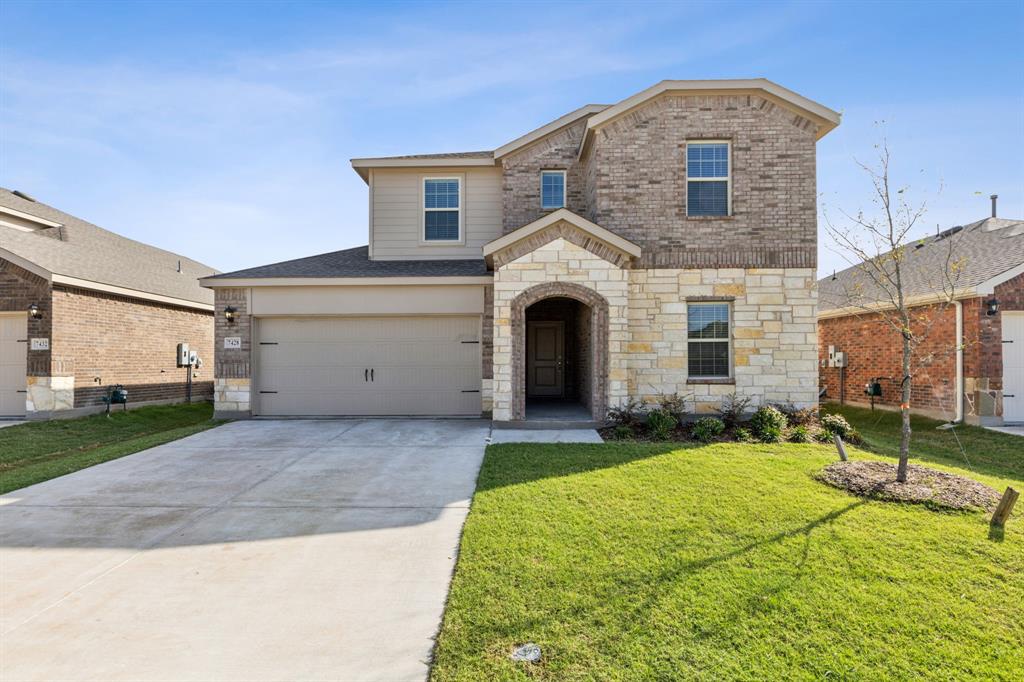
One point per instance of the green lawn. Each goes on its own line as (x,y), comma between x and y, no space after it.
(727,561)
(35,452)
(985,452)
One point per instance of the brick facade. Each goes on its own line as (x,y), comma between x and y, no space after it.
(98,339)
(874,349)
(233,367)
(106,339)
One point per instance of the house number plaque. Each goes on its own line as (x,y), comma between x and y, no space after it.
(233,342)
(40,344)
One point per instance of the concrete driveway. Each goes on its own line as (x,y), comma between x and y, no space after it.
(260,550)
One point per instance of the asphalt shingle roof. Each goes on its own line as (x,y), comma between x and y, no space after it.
(85,251)
(355,262)
(986,248)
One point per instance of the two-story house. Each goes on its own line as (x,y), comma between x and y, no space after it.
(664,244)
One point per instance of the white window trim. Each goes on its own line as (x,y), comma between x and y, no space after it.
(727,178)
(461,179)
(565,189)
(699,377)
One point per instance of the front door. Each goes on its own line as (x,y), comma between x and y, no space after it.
(545,353)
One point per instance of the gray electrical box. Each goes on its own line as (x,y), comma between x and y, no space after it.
(183,355)
(840,359)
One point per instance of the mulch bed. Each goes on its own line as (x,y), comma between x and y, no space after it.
(926,486)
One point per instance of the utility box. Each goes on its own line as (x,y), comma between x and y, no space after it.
(873,389)
(840,359)
(183,355)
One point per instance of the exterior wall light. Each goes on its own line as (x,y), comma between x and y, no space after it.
(34,312)
(993,306)
(230,314)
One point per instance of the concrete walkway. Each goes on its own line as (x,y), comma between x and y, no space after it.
(261,550)
(546,436)
(1013,430)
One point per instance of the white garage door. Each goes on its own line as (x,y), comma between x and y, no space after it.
(1013,366)
(13,352)
(368,366)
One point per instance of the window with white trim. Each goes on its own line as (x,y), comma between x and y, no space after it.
(709,340)
(441,209)
(708,179)
(552,189)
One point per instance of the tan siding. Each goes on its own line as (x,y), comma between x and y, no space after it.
(396,213)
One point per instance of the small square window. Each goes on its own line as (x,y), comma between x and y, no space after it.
(552,189)
(708,340)
(708,179)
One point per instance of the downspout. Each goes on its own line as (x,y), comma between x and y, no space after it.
(959,400)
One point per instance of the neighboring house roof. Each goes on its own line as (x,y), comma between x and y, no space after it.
(71,251)
(599,114)
(355,263)
(989,251)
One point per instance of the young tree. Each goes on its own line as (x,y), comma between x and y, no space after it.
(888,282)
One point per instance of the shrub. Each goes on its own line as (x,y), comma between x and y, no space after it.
(706,429)
(622,432)
(768,423)
(629,414)
(800,434)
(661,424)
(674,404)
(732,408)
(742,435)
(836,424)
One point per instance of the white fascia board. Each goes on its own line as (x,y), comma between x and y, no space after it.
(26,264)
(568,216)
(547,129)
(131,293)
(912,302)
(473,280)
(363,166)
(29,217)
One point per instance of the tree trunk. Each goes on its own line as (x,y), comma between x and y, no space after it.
(901,471)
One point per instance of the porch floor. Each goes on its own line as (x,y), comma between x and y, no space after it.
(556,410)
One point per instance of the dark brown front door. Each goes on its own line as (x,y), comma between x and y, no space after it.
(545,354)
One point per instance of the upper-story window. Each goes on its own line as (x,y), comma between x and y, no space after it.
(442,200)
(708,340)
(708,179)
(552,189)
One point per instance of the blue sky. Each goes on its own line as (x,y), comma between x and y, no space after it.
(224,130)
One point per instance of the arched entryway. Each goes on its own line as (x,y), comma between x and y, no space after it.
(559,352)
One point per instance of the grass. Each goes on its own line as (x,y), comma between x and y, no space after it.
(985,452)
(727,561)
(35,452)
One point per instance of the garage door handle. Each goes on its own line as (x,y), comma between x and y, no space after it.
(1005,395)
(27,392)
(366,375)
(371,374)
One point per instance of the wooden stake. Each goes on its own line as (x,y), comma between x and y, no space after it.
(839,446)
(1002,512)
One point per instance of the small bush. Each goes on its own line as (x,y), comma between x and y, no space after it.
(742,435)
(629,414)
(836,424)
(732,409)
(706,429)
(768,424)
(800,434)
(661,424)
(674,404)
(622,432)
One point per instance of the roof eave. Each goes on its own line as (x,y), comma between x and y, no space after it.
(411,280)
(364,165)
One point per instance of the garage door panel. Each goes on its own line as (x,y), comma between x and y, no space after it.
(1013,366)
(13,364)
(318,366)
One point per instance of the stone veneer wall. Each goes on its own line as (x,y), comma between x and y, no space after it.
(774,327)
(232,390)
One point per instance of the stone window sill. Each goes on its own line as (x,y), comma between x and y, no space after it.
(729,381)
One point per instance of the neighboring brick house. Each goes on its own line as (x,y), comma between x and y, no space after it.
(978,377)
(82,309)
(664,244)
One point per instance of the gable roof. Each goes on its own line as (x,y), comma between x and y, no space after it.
(599,114)
(991,251)
(353,263)
(563,214)
(68,250)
